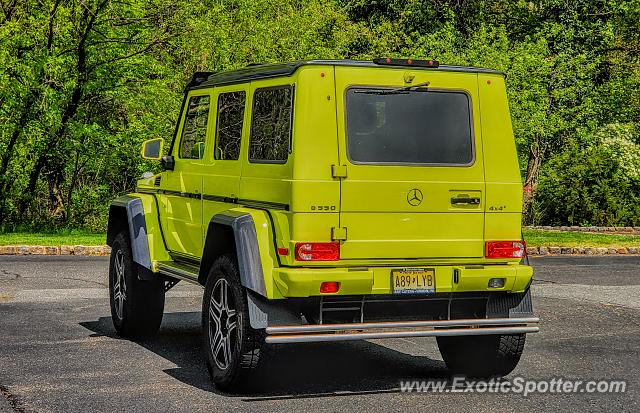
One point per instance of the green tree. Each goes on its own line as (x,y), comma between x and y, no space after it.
(83,82)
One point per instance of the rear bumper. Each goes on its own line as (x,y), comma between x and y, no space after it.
(305,282)
(374,330)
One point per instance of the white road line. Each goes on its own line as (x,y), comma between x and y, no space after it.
(67,294)
(620,295)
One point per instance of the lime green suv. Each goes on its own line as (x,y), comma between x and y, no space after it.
(332,200)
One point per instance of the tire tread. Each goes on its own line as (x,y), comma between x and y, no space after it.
(144,307)
(482,356)
(253,344)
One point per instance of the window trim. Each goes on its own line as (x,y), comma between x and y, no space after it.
(215,137)
(183,120)
(253,106)
(441,165)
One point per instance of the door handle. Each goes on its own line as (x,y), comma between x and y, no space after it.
(463,200)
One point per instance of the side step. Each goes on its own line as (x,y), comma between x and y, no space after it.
(365,331)
(179,270)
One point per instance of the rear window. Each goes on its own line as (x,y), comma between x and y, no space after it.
(408,127)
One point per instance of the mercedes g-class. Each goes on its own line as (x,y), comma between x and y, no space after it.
(331,200)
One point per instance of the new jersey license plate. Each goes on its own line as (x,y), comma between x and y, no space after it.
(414,281)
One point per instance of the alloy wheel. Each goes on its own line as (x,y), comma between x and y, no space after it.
(223,322)
(119,284)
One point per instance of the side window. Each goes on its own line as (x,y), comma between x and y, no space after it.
(229,127)
(271,125)
(194,131)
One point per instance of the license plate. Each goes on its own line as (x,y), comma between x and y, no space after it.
(414,281)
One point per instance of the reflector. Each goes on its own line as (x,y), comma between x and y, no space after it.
(329,287)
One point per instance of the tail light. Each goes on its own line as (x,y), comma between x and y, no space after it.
(317,251)
(505,249)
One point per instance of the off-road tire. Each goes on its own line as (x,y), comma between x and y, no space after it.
(137,305)
(482,356)
(230,371)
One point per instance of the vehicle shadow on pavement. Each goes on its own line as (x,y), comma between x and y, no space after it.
(292,370)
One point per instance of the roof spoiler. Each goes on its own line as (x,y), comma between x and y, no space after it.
(198,78)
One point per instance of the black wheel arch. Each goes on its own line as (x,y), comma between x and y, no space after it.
(220,241)
(117,223)
(234,232)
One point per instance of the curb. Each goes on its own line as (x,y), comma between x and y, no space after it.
(534,251)
(92,250)
(599,230)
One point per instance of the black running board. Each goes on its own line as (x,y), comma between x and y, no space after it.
(181,271)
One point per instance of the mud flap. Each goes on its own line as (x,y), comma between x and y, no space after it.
(264,313)
(510,305)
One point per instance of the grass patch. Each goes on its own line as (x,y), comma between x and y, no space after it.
(534,238)
(537,238)
(65,237)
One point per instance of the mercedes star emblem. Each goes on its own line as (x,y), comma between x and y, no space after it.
(414,197)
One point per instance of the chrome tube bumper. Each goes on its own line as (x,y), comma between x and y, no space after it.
(365,331)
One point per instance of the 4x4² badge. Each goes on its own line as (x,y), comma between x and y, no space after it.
(414,197)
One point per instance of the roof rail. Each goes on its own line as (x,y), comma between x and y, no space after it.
(264,71)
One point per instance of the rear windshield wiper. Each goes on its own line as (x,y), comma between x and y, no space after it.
(400,90)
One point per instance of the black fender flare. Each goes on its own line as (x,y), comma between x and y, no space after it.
(127,212)
(234,232)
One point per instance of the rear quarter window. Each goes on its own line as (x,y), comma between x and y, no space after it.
(229,125)
(271,118)
(408,127)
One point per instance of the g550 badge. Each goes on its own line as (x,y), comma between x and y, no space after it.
(323,207)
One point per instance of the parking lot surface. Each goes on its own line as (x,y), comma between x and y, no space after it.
(59,351)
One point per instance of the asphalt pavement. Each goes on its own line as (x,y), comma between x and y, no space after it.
(59,351)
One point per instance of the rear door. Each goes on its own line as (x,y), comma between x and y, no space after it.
(414,185)
(221,185)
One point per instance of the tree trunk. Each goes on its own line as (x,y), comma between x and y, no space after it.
(531,182)
(57,209)
(50,160)
(5,186)
(72,185)
(5,182)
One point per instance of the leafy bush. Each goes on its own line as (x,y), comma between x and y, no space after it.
(596,184)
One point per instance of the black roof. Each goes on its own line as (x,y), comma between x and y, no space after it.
(267,70)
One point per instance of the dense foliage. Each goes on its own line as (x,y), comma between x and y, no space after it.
(83,82)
